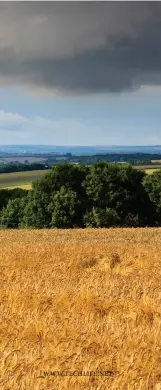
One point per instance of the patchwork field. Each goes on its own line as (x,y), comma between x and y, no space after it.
(20,179)
(76,304)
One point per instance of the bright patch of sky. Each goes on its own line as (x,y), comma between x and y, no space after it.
(130,118)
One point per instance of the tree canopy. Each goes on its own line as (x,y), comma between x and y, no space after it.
(101,195)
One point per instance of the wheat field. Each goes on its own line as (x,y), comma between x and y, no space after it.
(80,301)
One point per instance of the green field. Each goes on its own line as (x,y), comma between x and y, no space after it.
(20,179)
(152,170)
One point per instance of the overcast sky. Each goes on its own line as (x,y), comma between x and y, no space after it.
(82,73)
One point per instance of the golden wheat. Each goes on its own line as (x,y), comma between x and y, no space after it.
(80,300)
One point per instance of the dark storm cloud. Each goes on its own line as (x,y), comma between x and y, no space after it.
(81,47)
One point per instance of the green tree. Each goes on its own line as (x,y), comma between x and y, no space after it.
(35,212)
(41,199)
(64,208)
(6,195)
(12,214)
(101,195)
(119,188)
(152,185)
(101,218)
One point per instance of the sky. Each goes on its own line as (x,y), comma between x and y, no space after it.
(80,73)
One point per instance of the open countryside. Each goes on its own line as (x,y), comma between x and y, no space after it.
(80,195)
(24,179)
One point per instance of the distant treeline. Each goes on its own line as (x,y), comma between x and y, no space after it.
(72,196)
(20,167)
(132,158)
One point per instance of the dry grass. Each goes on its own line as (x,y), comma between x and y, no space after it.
(82,300)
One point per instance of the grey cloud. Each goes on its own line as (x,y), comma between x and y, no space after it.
(86,47)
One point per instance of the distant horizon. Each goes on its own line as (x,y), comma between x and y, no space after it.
(84,146)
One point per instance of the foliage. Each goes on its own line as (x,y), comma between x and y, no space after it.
(22,167)
(152,185)
(101,218)
(11,216)
(119,188)
(6,195)
(101,195)
(64,207)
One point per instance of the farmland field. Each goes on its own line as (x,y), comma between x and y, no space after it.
(78,301)
(152,170)
(20,179)
(149,169)
(147,166)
